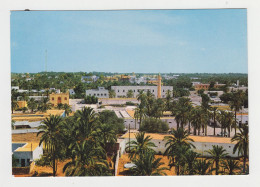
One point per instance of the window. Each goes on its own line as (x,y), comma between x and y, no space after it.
(28,161)
(65,98)
(134,90)
(123,90)
(163,90)
(94,94)
(101,94)
(105,94)
(97,94)
(52,98)
(89,94)
(117,90)
(153,90)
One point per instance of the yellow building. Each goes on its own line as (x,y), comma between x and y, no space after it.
(21,104)
(157,82)
(63,98)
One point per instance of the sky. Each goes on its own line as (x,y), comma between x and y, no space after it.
(125,41)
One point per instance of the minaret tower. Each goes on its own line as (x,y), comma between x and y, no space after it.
(159,89)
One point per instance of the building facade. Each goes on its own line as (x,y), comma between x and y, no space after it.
(121,91)
(101,92)
(56,98)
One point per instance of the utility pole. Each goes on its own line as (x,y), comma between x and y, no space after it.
(129,136)
(46,60)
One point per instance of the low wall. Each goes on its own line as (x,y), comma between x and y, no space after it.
(20,170)
(117,162)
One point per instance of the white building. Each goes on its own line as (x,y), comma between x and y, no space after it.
(121,91)
(101,92)
(201,143)
(26,152)
(72,92)
(89,79)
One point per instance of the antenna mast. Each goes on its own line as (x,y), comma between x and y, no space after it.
(46,60)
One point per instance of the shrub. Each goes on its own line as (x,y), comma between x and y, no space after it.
(153,125)
(130,103)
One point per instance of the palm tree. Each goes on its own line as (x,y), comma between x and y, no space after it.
(130,94)
(190,159)
(217,154)
(44,104)
(148,165)
(231,166)
(51,137)
(140,145)
(136,115)
(202,167)
(168,100)
(214,110)
(14,103)
(242,142)
(90,161)
(107,134)
(178,145)
(221,118)
(181,111)
(87,121)
(32,104)
(67,109)
(236,104)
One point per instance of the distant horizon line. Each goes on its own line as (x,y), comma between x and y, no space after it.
(130,72)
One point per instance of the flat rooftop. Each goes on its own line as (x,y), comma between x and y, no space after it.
(38,116)
(208,139)
(28,147)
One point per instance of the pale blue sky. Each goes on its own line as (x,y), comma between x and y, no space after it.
(148,41)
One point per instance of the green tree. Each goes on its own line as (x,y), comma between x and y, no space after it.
(79,90)
(140,145)
(59,106)
(110,118)
(214,110)
(153,125)
(242,142)
(202,167)
(217,154)
(87,123)
(148,165)
(130,94)
(67,109)
(14,103)
(50,131)
(32,104)
(90,161)
(231,166)
(107,134)
(112,94)
(24,109)
(177,146)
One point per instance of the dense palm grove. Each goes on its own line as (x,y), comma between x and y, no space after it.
(83,139)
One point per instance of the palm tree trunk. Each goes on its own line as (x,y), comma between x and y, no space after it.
(53,165)
(194,130)
(206,129)
(178,125)
(214,124)
(189,127)
(216,167)
(235,122)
